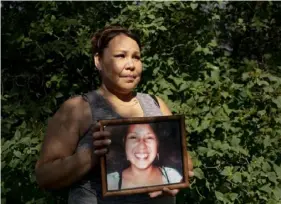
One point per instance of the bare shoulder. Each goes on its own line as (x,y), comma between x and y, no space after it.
(73,113)
(163,107)
(64,129)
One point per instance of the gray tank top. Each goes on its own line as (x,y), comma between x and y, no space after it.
(88,189)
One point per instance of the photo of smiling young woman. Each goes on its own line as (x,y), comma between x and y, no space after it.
(150,156)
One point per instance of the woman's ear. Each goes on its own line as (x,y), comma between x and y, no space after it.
(97,61)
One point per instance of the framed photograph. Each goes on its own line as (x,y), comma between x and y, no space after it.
(146,154)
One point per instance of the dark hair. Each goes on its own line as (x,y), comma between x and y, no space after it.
(153,127)
(101,38)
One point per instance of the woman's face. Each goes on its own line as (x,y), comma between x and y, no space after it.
(141,145)
(120,64)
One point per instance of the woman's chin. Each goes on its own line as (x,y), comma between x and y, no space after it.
(142,166)
(128,86)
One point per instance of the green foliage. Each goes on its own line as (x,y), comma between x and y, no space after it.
(218,63)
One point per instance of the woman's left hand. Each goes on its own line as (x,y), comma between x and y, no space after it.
(165,191)
(174,192)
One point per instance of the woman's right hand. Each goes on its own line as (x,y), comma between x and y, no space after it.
(101,141)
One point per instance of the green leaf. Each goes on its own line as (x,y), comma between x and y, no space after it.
(167,92)
(219,196)
(211,153)
(277,170)
(235,141)
(183,87)
(215,75)
(261,113)
(277,101)
(159,5)
(266,188)
(47,110)
(193,6)
(245,76)
(232,196)
(5,146)
(59,95)
(267,141)
(237,177)
(213,43)
(21,111)
(17,134)
(53,18)
(199,173)
(17,153)
(205,124)
(203,150)
(277,192)
(151,16)
(265,166)
(225,94)
(227,171)
(226,109)
(163,28)
(208,185)
(25,140)
(170,61)
(272,177)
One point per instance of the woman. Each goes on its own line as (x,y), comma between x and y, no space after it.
(141,147)
(73,143)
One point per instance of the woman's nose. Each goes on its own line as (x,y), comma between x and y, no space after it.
(142,144)
(130,64)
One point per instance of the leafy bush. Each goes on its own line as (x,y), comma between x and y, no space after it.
(218,63)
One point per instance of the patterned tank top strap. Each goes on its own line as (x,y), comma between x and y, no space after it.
(149,104)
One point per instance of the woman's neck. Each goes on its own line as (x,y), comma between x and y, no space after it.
(110,93)
(142,173)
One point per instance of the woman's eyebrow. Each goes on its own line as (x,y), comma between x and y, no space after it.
(132,133)
(126,51)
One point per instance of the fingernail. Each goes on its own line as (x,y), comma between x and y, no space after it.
(108,141)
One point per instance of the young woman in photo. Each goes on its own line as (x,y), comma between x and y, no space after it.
(142,150)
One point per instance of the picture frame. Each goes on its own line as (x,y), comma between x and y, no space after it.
(139,139)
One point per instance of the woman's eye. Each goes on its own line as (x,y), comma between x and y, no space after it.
(132,137)
(137,57)
(120,56)
(150,138)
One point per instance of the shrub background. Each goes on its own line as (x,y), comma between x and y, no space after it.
(216,62)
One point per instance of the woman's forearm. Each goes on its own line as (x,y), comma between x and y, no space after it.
(63,172)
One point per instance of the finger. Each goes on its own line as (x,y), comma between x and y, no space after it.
(100,152)
(101,135)
(155,194)
(95,127)
(101,143)
(172,192)
(190,173)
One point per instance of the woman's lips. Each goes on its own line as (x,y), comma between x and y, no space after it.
(141,156)
(129,76)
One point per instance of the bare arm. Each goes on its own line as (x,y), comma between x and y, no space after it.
(163,107)
(58,166)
